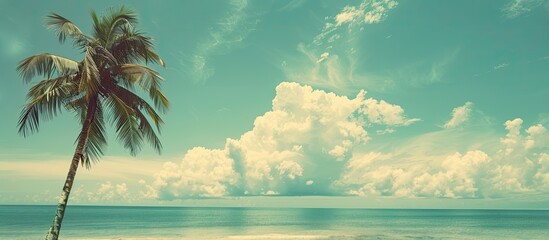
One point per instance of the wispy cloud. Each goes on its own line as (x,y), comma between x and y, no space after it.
(51,167)
(495,68)
(323,57)
(500,66)
(459,115)
(352,17)
(229,32)
(330,59)
(423,71)
(292,5)
(11,45)
(517,8)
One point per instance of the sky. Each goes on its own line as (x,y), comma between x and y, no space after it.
(304,103)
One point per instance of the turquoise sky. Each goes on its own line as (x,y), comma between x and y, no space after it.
(330,103)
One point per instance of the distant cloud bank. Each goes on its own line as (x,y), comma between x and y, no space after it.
(314,142)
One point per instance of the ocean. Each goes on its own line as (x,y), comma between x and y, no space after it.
(104,222)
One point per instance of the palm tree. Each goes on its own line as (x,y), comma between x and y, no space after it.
(101,88)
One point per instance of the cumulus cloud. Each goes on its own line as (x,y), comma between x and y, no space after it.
(106,192)
(312,143)
(459,115)
(516,8)
(515,141)
(298,148)
(202,173)
(519,164)
(381,112)
(455,176)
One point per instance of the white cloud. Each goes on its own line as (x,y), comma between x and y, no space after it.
(106,192)
(459,115)
(202,173)
(514,141)
(314,143)
(499,170)
(381,112)
(349,14)
(516,8)
(369,175)
(513,136)
(290,169)
(368,12)
(306,138)
(385,131)
(541,177)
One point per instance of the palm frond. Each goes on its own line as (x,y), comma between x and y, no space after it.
(138,105)
(97,140)
(148,132)
(153,57)
(146,78)
(108,26)
(132,46)
(118,19)
(123,13)
(44,101)
(105,55)
(63,27)
(126,124)
(46,65)
(90,79)
(98,29)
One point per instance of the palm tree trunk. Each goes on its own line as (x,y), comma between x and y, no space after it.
(55,228)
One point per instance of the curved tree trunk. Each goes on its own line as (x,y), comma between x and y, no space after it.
(55,228)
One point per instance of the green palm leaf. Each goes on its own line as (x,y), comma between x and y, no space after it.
(63,27)
(46,65)
(45,101)
(147,79)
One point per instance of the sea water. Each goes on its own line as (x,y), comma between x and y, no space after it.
(103,222)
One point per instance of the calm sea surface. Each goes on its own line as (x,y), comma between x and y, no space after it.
(99,222)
